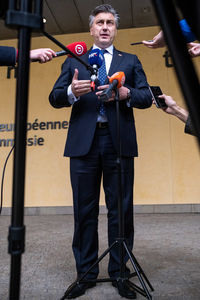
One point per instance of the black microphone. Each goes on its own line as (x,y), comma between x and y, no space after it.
(116,81)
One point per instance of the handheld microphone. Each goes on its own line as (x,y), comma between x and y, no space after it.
(95,59)
(78,48)
(88,67)
(116,81)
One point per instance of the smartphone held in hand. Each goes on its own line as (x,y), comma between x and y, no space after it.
(155,92)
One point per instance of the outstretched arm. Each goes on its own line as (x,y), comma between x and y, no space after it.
(173,109)
(157,42)
(42,55)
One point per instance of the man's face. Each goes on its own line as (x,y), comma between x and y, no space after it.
(103,30)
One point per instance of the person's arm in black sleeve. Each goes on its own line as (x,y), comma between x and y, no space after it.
(7,56)
(189,128)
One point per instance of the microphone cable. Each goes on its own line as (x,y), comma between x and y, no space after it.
(3,175)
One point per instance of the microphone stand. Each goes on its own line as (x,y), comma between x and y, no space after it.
(24,15)
(88,67)
(120,242)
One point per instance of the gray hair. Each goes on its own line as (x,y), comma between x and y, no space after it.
(104,8)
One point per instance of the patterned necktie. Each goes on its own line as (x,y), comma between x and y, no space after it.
(102,75)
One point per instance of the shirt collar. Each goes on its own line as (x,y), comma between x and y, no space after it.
(109,49)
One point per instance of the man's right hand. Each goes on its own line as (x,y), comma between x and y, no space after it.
(80,87)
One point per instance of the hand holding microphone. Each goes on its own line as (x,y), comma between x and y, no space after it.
(78,48)
(42,55)
(116,81)
(45,54)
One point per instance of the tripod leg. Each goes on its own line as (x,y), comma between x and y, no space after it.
(98,260)
(137,269)
(141,270)
(80,280)
(144,275)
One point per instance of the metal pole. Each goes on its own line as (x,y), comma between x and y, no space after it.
(24,20)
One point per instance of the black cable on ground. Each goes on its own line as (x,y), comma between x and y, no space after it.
(2,180)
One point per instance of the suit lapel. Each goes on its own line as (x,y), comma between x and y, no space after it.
(116,61)
(85,58)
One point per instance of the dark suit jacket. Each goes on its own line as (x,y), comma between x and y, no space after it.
(7,56)
(84,112)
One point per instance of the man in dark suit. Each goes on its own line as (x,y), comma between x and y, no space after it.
(8,55)
(92,146)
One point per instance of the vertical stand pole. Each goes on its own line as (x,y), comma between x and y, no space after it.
(17,228)
(19,15)
(120,206)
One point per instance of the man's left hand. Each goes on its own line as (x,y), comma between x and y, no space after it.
(123,92)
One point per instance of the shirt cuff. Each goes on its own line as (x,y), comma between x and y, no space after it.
(71,97)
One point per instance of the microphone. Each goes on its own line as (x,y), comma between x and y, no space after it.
(88,67)
(78,48)
(95,59)
(116,81)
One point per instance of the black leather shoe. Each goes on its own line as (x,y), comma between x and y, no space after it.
(79,289)
(125,289)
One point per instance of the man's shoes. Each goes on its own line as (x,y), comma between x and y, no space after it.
(79,289)
(125,289)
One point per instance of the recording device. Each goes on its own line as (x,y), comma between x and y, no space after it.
(116,81)
(139,43)
(78,48)
(155,92)
(95,60)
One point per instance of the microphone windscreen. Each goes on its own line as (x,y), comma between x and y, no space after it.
(78,48)
(120,77)
(96,57)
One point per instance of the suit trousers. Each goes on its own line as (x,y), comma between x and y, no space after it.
(86,174)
